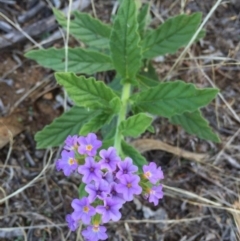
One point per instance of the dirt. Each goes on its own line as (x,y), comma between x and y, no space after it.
(201,199)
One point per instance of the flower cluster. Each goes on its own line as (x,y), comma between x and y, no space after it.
(109,183)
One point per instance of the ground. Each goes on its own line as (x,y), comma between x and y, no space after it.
(201,199)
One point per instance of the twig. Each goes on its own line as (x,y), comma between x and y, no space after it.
(5,26)
(32,12)
(144,145)
(34,29)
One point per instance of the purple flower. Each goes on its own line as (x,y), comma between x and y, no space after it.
(72,224)
(89,144)
(71,143)
(110,210)
(109,159)
(108,177)
(128,186)
(115,195)
(90,170)
(155,193)
(95,233)
(67,162)
(82,210)
(98,190)
(126,167)
(152,173)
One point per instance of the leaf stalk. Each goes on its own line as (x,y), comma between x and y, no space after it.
(122,116)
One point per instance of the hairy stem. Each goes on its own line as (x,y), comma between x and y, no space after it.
(122,115)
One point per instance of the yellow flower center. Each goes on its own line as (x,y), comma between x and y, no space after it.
(129,185)
(151,191)
(89,147)
(85,209)
(71,161)
(147,174)
(95,228)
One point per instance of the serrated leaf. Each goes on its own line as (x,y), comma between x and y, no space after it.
(86,92)
(108,130)
(96,123)
(143,19)
(115,105)
(115,84)
(175,33)
(173,98)
(149,71)
(135,125)
(151,129)
(87,29)
(124,41)
(194,123)
(79,60)
(68,123)
(145,82)
(81,191)
(130,151)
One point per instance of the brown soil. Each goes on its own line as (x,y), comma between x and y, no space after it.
(201,200)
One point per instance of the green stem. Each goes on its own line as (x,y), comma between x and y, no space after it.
(122,116)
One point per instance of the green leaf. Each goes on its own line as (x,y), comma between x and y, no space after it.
(115,105)
(135,125)
(68,123)
(125,40)
(143,19)
(151,129)
(130,151)
(173,98)
(86,92)
(108,130)
(96,123)
(195,123)
(81,191)
(79,60)
(107,143)
(87,29)
(115,84)
(149,71)
(145,82)
(175,33)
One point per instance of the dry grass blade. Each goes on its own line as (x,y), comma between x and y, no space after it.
(172,221)
(191,195)
(128,231)
(43,226)
(15,25)
(215,6)
(236,217)
(30,183)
